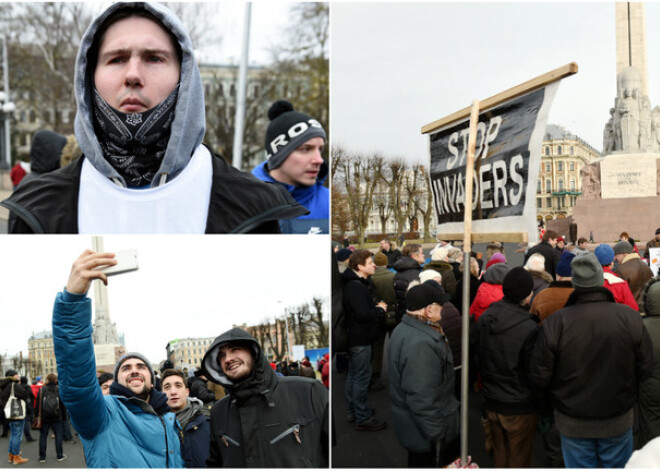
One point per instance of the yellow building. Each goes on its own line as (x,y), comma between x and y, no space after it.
(41,354)
(559,182)
(188,352)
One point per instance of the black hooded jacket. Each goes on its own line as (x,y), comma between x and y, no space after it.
(239,203)
(45,154)
(266,421)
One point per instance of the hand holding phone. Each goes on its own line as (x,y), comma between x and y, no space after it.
(127,261)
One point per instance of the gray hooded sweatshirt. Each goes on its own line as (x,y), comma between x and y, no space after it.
(188,127)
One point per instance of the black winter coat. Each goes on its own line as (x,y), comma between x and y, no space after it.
(505,342)
(240,203)
(195,441)
(199,390)
(362,314)
(5,387)
(407,270)
(266,421)
(592,355)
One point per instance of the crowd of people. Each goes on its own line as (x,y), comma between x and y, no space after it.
(564,346)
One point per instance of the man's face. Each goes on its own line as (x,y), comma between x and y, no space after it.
(236,361)
(302,166)
(583,245)
(418,256)
(135,375)
(369,267)
(384,245)
(434,312)
(552,242)
(105,387)
(137,65)
(176,391)
(560,244)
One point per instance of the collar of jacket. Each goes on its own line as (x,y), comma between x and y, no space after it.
(260,383)
(598,294)
(157,400)
(422,324)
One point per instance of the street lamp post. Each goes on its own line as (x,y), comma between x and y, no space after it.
(7,107)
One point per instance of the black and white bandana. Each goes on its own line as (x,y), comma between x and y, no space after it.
(134,143)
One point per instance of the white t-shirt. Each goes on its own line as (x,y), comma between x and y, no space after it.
(177,207)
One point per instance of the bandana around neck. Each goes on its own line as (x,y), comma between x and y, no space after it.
(134,143)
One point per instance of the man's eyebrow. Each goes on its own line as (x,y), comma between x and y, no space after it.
(142,51)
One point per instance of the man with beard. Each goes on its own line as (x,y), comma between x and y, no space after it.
(265,421)
(140,123)
(193,418)
(130,428)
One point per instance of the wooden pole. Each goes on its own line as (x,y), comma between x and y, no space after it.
(467,248)
(526,87)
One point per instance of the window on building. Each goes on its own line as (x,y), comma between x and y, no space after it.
(558,150)
(539,202)
(548,186)
(570,150)
(548,202)
(560,166)
(572,184)
(547,150)
(560,184)
(548,167)
(539,186)
(571,166)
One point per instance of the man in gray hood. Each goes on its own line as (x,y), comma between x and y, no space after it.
(140,124)
(265,421)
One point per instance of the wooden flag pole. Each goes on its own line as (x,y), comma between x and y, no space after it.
(467,248)
(526,87)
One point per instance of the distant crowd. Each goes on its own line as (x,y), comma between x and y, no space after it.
(564,346)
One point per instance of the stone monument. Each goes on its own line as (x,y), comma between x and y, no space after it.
(620,190)
(107,347)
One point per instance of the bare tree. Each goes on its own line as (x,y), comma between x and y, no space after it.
(319,323)
(357,176)
(423,199)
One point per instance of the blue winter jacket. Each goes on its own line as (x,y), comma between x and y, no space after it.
(315,198)
(116,431)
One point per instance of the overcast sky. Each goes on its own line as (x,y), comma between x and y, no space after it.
(186,286)
(398,66)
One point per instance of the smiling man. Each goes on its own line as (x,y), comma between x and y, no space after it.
(294,144)
(265,421)
(132,427)
(193,418)
(140,122)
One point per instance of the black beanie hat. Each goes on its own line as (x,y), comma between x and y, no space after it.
(518,283)
(288,130)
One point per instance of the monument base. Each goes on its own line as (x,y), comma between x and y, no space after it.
(106,356)
(607,218)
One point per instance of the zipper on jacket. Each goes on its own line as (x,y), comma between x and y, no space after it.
(227,440)
(295,430)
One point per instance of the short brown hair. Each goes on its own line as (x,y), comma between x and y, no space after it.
(582,240)
(172,372)
(359,257)
(410,249)
(51,378)
(549,234)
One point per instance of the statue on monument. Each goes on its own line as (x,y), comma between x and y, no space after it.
(590,175)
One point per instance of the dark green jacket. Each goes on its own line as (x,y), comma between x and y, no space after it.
(424,408)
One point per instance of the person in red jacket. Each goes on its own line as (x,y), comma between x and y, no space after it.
(490,290)
(618,286)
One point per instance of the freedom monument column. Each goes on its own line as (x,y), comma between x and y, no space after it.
(107,347)
(620,190)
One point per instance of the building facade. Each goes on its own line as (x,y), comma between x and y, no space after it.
(188,353)
(41,354)
(559,182)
